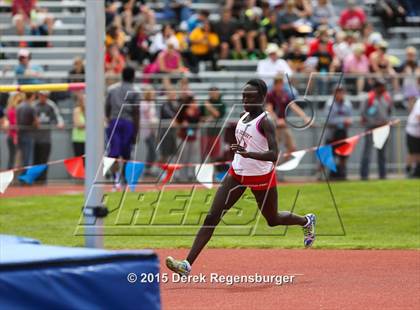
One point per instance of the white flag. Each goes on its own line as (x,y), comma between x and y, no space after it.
(292,163)
(6,178)
(107,163)
(380,135)
(204,174)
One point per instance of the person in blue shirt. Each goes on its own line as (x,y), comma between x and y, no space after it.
(27,73)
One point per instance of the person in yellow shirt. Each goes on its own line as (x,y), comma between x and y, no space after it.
(114,35)
(204,42)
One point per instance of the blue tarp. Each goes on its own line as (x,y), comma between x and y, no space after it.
(37,276)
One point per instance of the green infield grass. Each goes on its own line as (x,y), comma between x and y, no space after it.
(374,214)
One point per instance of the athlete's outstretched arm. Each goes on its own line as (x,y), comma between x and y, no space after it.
(272,154)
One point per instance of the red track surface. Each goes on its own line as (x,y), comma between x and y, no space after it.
(325,279)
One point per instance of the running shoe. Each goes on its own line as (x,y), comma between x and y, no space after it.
(309,230)
(181,267)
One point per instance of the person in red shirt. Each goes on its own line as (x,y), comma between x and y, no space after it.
(353,17)
(188,120)
(322,34)
(21,12)
(114,60)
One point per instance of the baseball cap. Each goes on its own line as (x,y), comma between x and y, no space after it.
(23,53)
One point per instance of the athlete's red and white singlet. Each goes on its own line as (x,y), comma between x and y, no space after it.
(257,174)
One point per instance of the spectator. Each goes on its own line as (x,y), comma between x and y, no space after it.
(184,46)
(26,72)
(357,63)
(21,12)
(27,123)
(375,112)
(325,65)
(212,113)
(47,115)
(170,62)
(12,134)
(114,60)
(269,32)
(148,121)
(296,55)
(225,29)
(250,25)
(77,73)
(78,134)
(380,63)
(413,7)
(352,18)
(410,69)
(188,119)
(122,115)
(339,110)
(138,48)
(203,45)
(115,36)
(42,23)
(276,103)
(304,8)
(111,13)
(127,12)
(343,45)
(167,132)
(3,122)
(161,40)
(180,9)
(2,118)
(391,12)
(413,136)
(372,42)
(287,19)
(197,19)
(324,14)
(322,34)
(146,16)
(272,65)
(184,91)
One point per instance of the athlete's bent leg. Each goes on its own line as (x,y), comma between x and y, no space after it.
(267,202)
(227,195)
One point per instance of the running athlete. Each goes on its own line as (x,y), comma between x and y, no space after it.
(256,155)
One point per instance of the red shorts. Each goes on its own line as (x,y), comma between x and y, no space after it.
(256,182)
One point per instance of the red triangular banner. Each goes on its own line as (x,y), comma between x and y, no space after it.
(170,169)
(75,167)
(347,147)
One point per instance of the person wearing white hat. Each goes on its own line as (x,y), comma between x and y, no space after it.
(270,67)
(27,73)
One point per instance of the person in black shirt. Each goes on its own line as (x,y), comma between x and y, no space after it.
(269,31)
(295,56)
(225,29)
(167,133)
(27,126)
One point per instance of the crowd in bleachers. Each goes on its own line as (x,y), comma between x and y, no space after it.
(285,37)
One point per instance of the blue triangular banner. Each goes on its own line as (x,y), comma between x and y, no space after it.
(326,157)
(32,173)
(133,171)
(220,175)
